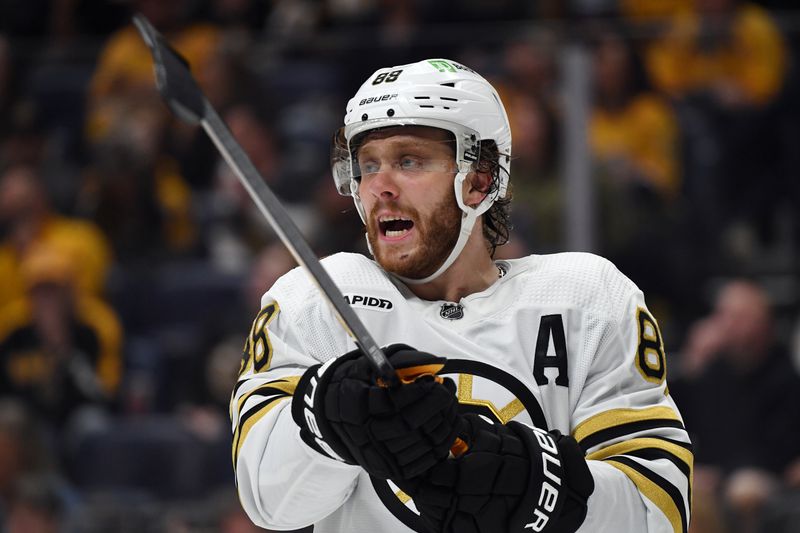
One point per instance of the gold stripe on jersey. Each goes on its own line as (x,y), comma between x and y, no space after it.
(247,423)
(273,391)
(656,492)
(403,497)
(282,387)
(651,448)
(621,417)
(503,414)
(622,448)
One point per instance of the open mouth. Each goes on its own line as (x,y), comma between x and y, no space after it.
(394,226)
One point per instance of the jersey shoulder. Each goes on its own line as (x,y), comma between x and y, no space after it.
(349,271)
(576,279)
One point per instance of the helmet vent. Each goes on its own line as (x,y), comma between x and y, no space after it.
(448,99)
(449,84)
(427,106)
(422,98)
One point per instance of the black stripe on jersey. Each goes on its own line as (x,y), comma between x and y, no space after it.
(271,388)
(258,409)
(652,448)
(652,454)
(687,445)
(272,391)
(239,385)
(622,430)
(234,400)
(673,491)
(284,386)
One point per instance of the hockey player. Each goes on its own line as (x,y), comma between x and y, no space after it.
(533,393)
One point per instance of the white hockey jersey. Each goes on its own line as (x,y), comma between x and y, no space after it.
(560,341)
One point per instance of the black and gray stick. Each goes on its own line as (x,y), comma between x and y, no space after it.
(184,97)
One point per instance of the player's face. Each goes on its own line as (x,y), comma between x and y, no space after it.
(406,189)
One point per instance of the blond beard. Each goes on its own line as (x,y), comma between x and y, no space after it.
(437,236)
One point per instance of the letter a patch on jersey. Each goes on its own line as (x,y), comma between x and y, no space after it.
(551,350)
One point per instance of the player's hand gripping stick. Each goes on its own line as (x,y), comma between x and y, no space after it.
(395,432)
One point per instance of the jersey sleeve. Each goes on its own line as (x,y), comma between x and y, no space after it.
(630,429)
(282,482)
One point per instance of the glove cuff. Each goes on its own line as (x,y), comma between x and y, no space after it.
(559,484)
(308,413)
(579,483)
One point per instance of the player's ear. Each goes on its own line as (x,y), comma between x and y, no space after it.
(476,187)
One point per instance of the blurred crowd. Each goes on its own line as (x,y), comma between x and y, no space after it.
(132,261)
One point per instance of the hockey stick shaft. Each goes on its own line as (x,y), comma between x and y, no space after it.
(185,98)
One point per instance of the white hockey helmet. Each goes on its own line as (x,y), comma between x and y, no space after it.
(438,93)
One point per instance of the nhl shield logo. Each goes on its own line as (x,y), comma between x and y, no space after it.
(451,311)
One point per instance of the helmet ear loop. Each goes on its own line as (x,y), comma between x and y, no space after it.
(361,212)
(503,177)
(482,207)
(357,200)
(471,213)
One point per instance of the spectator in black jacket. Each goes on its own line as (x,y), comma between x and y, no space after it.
(739,394)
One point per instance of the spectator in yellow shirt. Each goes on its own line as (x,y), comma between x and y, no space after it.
(635,148)
(125,66)
(727,48)
(27,220)
(633,132)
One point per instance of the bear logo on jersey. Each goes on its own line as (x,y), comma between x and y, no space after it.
(483,389)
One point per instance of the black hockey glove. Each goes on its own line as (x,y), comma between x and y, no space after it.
(512,479)
(392,432)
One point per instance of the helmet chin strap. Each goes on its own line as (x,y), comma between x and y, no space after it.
(468,219)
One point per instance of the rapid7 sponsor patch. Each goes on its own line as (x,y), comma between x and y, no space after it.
(365,301)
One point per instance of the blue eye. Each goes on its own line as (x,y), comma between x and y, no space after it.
(368,167)
(408,163)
